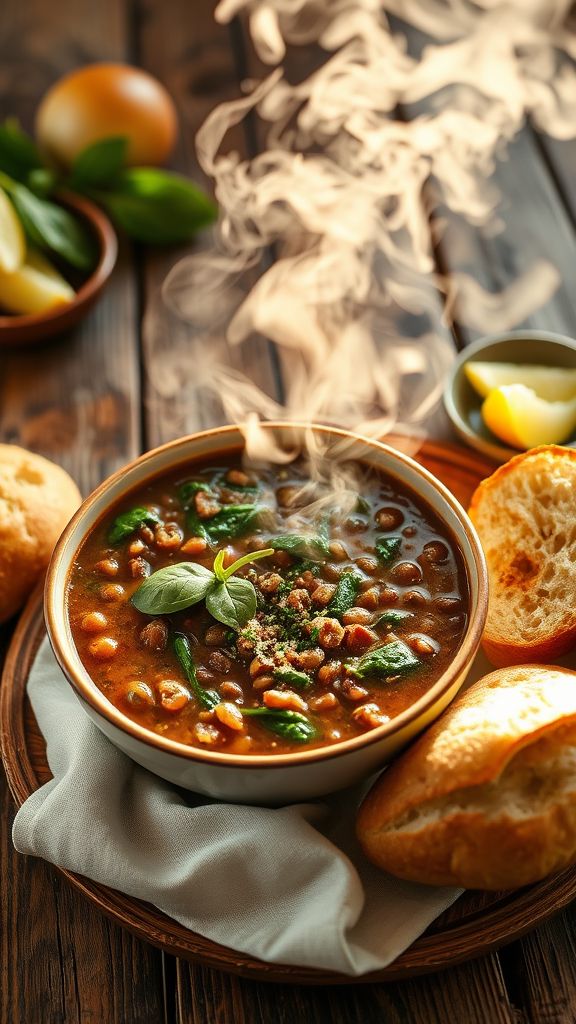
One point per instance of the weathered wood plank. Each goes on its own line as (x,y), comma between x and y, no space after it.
(198,67)
(540,972)
(471,994)
(77,402)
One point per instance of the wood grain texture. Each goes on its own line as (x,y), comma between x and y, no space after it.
(76,401)
(198,66)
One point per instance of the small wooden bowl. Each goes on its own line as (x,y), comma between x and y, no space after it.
(28,330)
(463,404)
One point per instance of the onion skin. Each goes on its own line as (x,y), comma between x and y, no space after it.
(103,100)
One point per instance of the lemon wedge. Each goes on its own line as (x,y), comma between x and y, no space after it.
(12,241)
(518,416)
(34,287)
(555,383)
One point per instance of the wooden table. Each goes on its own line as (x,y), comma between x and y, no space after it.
(88,403)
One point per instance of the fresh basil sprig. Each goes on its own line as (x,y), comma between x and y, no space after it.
(207,698)
(231,601)
(291,725)
(128,522)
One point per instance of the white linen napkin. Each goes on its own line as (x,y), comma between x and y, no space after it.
(288,885)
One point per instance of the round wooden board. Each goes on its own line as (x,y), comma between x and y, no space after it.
(476,924)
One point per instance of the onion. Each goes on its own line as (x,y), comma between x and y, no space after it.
(103,100)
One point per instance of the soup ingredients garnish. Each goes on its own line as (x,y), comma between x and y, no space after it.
(519,417)
(127,523)
(228,521)
(208,699)
(555,383)
(387,548)
(291,725)
(346,592)
(178,586)
(392,659)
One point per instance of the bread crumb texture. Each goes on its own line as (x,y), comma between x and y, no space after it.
(37,498)
(524,515)
(487,797)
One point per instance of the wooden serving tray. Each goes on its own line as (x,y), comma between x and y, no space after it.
(476,924)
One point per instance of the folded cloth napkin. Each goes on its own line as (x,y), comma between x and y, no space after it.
(288,885)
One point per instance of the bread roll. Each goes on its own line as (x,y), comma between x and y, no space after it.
(486,798)
(37,498)
(524,515)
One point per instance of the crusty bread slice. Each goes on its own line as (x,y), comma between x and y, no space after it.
(525,515)
(486,798)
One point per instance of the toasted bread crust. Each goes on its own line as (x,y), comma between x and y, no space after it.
(524,516)
(458,808)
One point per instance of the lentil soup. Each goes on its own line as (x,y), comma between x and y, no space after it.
(243,611)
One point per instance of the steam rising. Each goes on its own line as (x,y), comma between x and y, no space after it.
(342,195)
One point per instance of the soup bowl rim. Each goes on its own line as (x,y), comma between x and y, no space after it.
(61,640)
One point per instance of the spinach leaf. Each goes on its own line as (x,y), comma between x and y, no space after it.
(98,164)
(189,489)
(231,521)
(155,206)
(50,226)
(301,545)
(293,677)
(128,522)
(393,617)
(387,548)
(392,659)
(232,602)
(362,505)
(207,698)
(345,594)
(173,588)
(291,725)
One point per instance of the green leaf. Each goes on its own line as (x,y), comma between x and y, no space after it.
(99,164)
(291,725)
(301,545)
(252,556)
(392,659)
(207,698)
(362,505)
(232,602)
(50,226)
(173,588)
(189,489)
(345,594)
(18,154)
(393,617)
(293,677)
(41,181)
(387,548)
(128,522)
(231,521)
(157,207)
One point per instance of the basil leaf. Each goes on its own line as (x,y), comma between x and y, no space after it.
(387,548)
(51,226)
(124,525)
(173,588)
(232,602)
(207,698)
(157,207)
(293,677)
(18,154)
(99,164)
(392,659)
(291,725)
(231,521)
(301,545)
(345,594)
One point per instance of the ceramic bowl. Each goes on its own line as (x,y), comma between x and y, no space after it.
(29,330)
(262,779)
(462,402)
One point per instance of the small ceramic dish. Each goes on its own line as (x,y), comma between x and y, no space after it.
(29,330)
(463,404)
(266,778)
